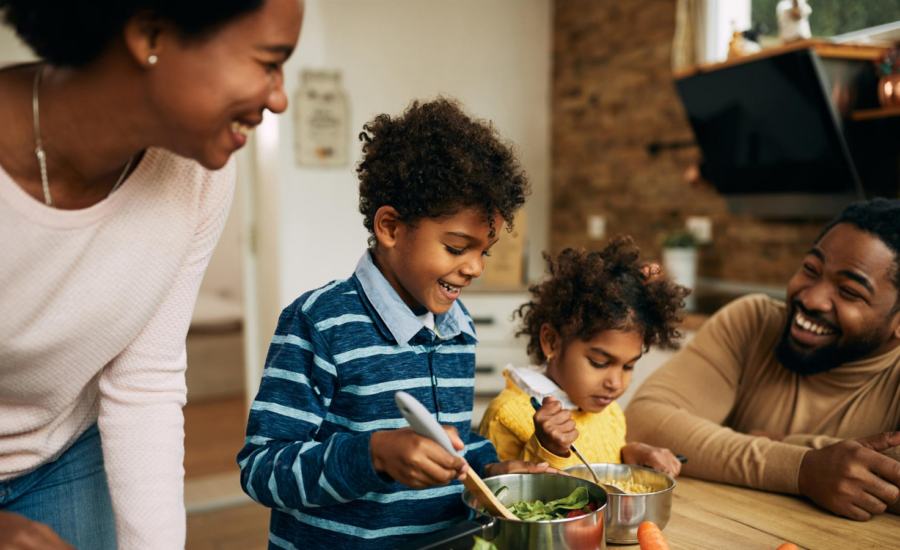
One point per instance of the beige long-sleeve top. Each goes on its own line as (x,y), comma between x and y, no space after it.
(94,307)
(727,381)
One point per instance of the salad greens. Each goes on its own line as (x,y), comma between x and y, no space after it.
(555,509)
(481,544)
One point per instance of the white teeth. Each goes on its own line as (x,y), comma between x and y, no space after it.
(810,326)
(240,128)
(449,288)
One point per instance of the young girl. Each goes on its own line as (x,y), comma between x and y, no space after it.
(587,325)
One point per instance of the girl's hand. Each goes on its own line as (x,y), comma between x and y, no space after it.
(554,427)
(519,467)
(416,461)
(19,533)
(641,454)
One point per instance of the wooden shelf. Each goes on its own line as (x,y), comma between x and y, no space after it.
(873,114)
(823,48)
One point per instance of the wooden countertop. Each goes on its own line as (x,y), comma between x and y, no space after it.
(715,517)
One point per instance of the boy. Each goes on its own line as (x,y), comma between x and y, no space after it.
(326,447)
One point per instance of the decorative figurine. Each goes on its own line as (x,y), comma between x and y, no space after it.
(793,20)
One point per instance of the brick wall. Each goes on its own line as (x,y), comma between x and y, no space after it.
(612,95)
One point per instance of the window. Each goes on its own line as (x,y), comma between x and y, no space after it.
(832,17)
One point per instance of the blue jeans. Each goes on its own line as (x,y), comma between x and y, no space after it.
(69,494)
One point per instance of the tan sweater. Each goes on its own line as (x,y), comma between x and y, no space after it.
(726,382)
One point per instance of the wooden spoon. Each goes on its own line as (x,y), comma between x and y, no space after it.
(424,424)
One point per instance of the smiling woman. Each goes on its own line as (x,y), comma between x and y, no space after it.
(115,183)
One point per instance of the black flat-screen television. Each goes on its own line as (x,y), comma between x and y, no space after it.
(772,140)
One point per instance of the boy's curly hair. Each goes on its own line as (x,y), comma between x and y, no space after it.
(590,292)
(434,160)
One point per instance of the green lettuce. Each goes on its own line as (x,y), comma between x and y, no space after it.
(481,544)
(555,509)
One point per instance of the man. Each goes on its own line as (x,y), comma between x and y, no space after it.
(801,397)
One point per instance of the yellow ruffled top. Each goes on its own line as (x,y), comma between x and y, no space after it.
(508,423)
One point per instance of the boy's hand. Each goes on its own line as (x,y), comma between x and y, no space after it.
(519,467)
(416,461)
(554,427)
(658,458)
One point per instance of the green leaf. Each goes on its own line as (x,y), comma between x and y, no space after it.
(556,509)
(481,544)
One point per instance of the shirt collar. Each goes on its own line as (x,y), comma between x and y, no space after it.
(397,316)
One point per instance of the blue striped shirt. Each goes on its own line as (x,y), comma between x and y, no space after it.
(338,356)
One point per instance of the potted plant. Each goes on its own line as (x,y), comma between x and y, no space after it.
(679,251)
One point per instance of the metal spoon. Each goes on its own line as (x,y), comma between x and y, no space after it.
(609,488)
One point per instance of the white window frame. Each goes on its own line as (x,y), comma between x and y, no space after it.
(722,18)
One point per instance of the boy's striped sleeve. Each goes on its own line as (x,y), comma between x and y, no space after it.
(480,452)
(283,464)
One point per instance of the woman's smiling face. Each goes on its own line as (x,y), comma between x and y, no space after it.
(208,93)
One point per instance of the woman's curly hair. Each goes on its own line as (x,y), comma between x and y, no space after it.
(434,160)
(590,292)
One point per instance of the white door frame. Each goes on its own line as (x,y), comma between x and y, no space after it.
(258,182)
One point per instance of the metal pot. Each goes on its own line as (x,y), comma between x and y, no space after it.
(625,513)
(585,532)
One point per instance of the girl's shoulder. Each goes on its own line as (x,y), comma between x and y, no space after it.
(512,408)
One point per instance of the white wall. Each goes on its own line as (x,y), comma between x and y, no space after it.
(492,55)
(12,50)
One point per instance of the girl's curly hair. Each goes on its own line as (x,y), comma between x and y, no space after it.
(434,160)
(590,292)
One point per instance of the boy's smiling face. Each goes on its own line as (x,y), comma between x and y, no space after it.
(429,263)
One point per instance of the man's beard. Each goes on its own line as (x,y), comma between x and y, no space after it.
(824,358)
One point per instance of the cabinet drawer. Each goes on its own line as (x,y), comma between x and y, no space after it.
(489,364)
(492,314)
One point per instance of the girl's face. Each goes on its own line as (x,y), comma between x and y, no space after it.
(208,93)
(595,372)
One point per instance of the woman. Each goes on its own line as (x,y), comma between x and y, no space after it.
(115,183)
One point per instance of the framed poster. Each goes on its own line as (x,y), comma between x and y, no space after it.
(321,118)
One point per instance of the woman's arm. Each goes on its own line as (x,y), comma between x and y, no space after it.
(142,392)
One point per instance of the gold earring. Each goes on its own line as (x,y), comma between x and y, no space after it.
(152,59)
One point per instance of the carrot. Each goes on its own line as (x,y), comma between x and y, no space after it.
(788,546)
(650,537)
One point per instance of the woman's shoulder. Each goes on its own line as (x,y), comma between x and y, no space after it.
(209,190)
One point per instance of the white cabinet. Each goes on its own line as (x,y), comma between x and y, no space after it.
(497,345)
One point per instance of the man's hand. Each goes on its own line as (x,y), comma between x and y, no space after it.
(18,533)
(851,478)
(554,427)
(519,467)
(658,458)
(416,461)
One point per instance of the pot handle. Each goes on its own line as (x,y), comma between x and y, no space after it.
(456,533)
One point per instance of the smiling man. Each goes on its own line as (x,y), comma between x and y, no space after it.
(800,397)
